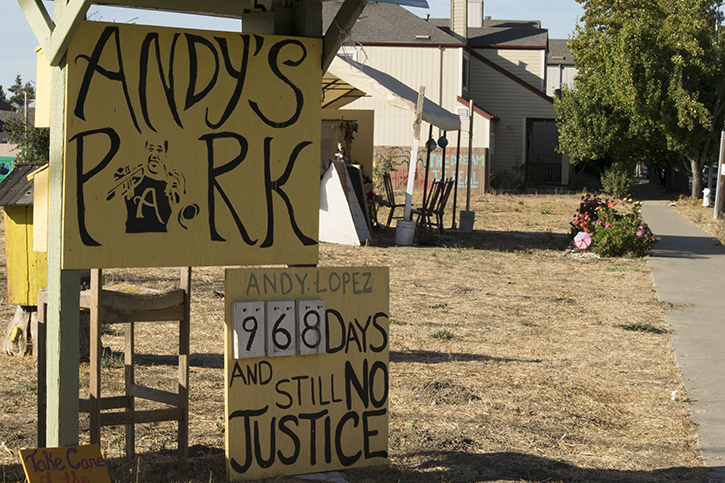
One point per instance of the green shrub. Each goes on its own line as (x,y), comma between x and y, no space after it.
(612,234)
(617,181)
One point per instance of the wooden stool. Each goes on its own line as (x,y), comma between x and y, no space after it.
(114,307)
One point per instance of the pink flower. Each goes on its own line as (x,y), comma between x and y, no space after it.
(607,225)
(575,222)
(598,222)
(612,204)
(639,233)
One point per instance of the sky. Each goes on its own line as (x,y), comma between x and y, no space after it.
(17,42)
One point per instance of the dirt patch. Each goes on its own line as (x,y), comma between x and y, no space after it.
(508,363)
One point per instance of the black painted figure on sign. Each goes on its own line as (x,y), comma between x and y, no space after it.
(150,190)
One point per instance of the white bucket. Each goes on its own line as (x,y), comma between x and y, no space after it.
(467,218)
(404,232)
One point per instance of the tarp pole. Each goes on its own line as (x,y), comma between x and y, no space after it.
(414,154)
(455,183)
(470,156)
(427,167)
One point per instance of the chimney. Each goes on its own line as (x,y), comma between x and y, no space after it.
(459,17)
(475,13)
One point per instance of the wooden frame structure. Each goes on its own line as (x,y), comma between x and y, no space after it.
(303,18)
(113,307)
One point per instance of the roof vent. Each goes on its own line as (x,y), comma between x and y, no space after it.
(422,37)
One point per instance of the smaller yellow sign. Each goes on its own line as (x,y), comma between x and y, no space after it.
(69,464)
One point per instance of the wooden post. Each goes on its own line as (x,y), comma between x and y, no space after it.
(414,153)
(184,336)
(455,176)
(62,325)
(470,156)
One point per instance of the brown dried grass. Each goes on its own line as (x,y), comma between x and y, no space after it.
(508,363)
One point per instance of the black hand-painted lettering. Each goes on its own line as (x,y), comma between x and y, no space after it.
(313,417)
(258,44)
(284,393)
(329,349)
(299,97)
(382,331)
(239,75)
(276,330)
(314,328)
(94,67)
(367,433)
(362,389)
(251,330)
(237,372)
(378,366)
(345,459)
(191,96)
(82,178)
(247,415)
(167,84)
(265,463)
(276,186)
(215,172)
(289,460)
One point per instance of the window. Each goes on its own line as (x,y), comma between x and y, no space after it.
(466,72)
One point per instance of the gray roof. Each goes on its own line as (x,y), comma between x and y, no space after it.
(508,33)
(505,33)
(387,22)
(16,190)
(559,53)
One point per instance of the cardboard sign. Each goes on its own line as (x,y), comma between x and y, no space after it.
(324,405)
(188,147)
(70,464)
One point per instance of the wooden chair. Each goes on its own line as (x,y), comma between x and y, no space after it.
(115,307)
(435,206)
(389,200)
(425,212)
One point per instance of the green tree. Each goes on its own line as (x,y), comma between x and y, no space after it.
(18,90)
(34,142)
(3,95)
(648,87)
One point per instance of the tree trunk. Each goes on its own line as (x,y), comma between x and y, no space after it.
(696,167)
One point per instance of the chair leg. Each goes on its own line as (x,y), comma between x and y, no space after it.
(390,216)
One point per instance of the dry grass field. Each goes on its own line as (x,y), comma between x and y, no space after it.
(509,362)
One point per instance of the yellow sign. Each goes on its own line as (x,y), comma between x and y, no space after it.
(71,464)
(190,148)
(306,364)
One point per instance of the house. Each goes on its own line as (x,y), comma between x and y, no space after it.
(499,65)
(560,69)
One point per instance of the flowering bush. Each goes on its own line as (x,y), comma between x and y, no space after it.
(613,234)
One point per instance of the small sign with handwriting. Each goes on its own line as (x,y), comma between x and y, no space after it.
(69,464)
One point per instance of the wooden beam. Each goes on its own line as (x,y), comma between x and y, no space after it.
(65,28)
(63,287)
(39,20)
(217,8)
(339,28)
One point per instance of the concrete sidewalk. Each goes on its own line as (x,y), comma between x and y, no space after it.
(688,268)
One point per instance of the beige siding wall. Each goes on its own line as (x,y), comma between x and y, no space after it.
(415,67)
(528,65)
(512,103)
(557,75)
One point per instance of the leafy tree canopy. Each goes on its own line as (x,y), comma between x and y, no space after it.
(649,85)
(34,143)
(18,90)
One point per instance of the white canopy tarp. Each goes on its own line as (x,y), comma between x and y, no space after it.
(389,89)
